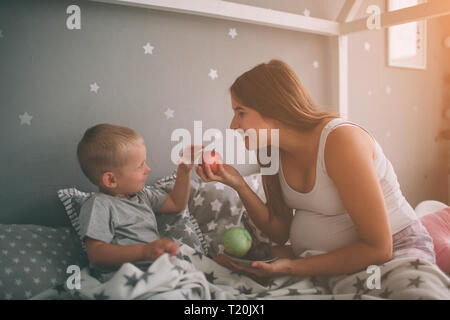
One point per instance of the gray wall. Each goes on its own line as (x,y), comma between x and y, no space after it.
(406,122)
(46,70)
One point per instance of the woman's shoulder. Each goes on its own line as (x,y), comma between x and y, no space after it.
(341,131)
(349,141)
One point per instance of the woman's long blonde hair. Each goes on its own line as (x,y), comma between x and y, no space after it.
(274,90)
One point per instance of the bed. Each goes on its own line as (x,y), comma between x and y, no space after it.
(39,262)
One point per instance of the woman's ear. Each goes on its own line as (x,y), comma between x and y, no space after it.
(109,179)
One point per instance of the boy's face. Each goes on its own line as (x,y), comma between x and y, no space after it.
(132,176)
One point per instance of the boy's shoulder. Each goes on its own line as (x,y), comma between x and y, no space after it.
(99,199)
(150,193)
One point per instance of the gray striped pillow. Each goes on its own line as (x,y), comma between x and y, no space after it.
(72,200)
(181,224)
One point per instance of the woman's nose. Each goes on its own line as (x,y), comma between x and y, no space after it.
(234,124)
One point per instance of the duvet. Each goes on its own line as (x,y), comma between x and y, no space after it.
(192,275)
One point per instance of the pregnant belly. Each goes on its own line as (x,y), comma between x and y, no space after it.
(315,231)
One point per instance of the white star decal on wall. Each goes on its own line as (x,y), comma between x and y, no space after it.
(94,87)
(25,118)
(169,113)
(232,33)
(370,92)
(148,49)
(388,134)
(306,12)
(316,64)
(367,46)
(213,74)
(216,205)
(388,90)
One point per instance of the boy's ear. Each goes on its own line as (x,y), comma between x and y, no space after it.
(109,179)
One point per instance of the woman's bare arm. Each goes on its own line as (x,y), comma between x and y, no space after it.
(274,227)
(349,158)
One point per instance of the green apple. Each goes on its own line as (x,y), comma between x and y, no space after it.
(237,241)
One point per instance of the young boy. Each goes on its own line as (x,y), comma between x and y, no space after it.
(118,222)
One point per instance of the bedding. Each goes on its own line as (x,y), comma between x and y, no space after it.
(180,227)
(34,258)
(217,207)
(192,275)
(438,225)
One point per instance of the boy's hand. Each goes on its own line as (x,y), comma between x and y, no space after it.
(189,156)
(153,250)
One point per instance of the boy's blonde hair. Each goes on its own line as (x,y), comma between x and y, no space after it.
(103,148)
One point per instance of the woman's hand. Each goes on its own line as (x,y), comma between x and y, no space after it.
(258,268)
(226,174)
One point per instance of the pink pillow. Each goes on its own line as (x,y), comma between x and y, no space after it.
(438,225)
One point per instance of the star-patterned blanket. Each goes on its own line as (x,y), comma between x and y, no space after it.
(192,275)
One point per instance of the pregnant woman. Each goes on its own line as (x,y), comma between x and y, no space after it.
(335,191)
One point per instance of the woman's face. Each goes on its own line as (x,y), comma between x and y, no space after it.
(250,122)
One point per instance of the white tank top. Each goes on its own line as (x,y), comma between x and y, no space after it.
(321,221)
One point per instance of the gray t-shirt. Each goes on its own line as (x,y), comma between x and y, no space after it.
(121,221)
